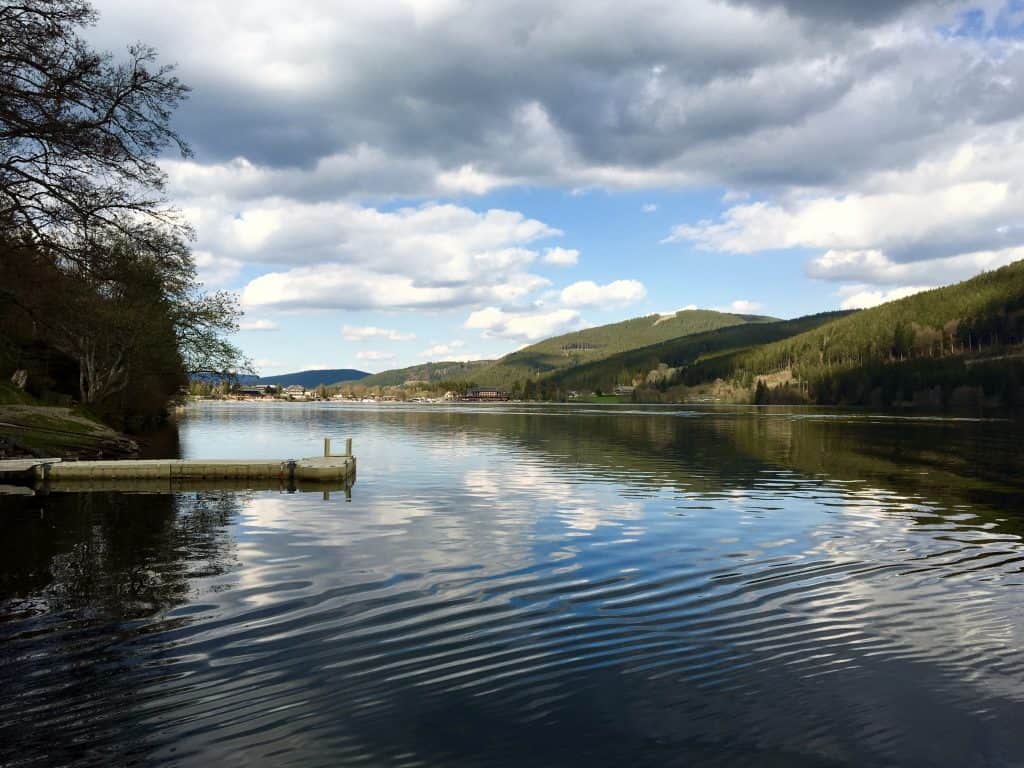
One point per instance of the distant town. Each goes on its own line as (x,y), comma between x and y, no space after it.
(347,394)
(411,392)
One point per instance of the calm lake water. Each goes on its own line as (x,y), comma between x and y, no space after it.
(533,586)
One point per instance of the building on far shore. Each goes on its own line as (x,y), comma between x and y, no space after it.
(258,390)
(296,392)
(485,394)
(621,390)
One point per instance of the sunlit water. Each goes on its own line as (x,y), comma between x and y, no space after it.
(533,586)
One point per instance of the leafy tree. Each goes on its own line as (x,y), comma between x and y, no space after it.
(96,265)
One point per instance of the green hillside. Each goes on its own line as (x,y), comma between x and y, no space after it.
(959,325)
(566,351)
(625,367)
(958,345)
(591,344)
(427,372)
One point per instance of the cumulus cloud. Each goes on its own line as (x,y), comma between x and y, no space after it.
(562,257)
(649,207)
(844,11)
(215,271)
(908,224)
(588,293)
(440,242)
(863,296)
(437,351)
(527,326)
(338,286)
(743,93)
(874,267)
(364,332)
(451,352)
(258,325)
(881,135)
(428,256)
(741,307)
(941,220)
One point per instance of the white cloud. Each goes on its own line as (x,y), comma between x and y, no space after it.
(438,351)
(468,179)
(862,296)
(441,242)
(650,207)
(875,267)
(741,307)
(882,134)
(578,95)
(894,219)
(371,354)
(215,271)
(529,326)
(343,287)
(258,325)
(588,293)
(940,220)
(562,257)
(451,352)
(364,332)
(429,256)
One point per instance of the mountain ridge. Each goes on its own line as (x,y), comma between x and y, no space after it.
(567,350)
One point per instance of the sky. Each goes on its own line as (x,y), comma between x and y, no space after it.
(389,183)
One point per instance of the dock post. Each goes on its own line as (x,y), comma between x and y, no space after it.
(327,447)
(348,446)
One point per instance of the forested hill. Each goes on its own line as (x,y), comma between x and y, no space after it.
(627,367)
(567,351)
(430,373)
(926,347)
(591,344)
(310,379)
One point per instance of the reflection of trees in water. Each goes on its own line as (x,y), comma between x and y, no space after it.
(83,581)
(950,462)
(113,555)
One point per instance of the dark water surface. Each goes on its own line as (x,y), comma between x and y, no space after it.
(533,586)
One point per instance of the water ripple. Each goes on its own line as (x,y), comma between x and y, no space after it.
(545,587)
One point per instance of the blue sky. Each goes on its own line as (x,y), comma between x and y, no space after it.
(392,183)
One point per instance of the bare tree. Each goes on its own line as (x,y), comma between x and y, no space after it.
(80,133)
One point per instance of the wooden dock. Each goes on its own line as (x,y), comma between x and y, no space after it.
(330,469)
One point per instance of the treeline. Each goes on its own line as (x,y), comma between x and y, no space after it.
(958,345)
(99,301)
(573,350)
(638,365)
(934,339)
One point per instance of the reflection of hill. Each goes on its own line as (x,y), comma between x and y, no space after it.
(949,462)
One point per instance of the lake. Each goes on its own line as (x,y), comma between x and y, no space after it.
(533,586)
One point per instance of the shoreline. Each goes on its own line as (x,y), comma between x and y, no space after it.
(37,431)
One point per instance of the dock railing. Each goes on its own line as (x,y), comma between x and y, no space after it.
(346,454)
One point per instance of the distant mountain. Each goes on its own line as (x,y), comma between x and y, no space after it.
(428,372)
(310,379)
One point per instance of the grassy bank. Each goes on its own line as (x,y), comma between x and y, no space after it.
(30,429)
